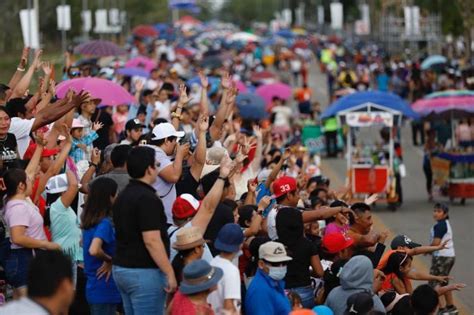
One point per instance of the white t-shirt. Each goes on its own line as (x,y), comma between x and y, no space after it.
(227,288)
(166,191)
(21,128)
(163,110)
(23,306)
(207,256)
(282,115)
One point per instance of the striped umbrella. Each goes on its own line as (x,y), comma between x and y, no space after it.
(99,48)
(449,93)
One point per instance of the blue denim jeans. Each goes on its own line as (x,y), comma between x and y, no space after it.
(306,294)
(103,309)
(16,266)
(142,290)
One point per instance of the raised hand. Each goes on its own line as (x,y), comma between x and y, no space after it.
(37,59)
(183,96)
(24,57)
(226,166)
(47,68)
(371,199)
(226,81)
(52,87)
(97,126)
(95,156)
(139,86)
(252,186)
(231,95)
(183,149)
(203,123)
(204,80)
(264,202)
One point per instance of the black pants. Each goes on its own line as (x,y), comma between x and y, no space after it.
(417,128)
(331,143)
(398,188)
(429,179)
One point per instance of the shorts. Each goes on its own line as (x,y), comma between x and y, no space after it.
(16,266)
(441,266)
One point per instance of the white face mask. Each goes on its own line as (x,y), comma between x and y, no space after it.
(277,273)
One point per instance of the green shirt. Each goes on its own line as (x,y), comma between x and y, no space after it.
(65,230)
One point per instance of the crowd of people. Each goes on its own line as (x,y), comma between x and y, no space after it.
(178,204)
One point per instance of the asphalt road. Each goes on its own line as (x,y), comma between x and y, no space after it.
(414,217)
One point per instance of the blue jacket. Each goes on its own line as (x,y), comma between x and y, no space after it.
(266,296)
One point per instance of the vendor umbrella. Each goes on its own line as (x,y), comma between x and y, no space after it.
(361,99)
(134,72)
(269,91)
(438,105)
(109,92)
(184,52)
(241,86)
(141,62)
(99,48)
(211,62)
(288,34)
(143,30)
(448,93)
(244,37)
(432,61)
(251,106)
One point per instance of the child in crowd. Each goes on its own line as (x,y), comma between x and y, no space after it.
(80,142)
(443,260)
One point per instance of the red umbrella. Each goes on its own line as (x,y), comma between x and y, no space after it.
(262,75)
(187,19)
(183,52)
(145,31)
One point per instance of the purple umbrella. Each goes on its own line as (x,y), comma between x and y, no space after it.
(134,72)
(267,92)
(109,92)
(141,62)
(99,48)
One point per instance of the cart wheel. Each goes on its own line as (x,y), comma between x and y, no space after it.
(392,206)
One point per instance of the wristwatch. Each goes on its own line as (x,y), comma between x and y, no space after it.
(93,164)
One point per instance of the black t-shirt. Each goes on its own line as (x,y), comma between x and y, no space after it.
(187,184)
(103,133)
(298,274)
(221,217)
(8,152)
(136,210)
(331,276)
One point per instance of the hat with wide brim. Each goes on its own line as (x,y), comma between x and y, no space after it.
(203,282)
(187,238)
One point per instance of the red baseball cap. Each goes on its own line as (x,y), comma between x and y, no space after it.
(46,152)
(185,206)
(283,185)
(335,242)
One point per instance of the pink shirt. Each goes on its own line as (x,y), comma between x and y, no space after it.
(119,121)
(23,213)
(334,228)
(463,132)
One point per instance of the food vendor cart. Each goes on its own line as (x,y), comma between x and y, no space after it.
(364,174)
(453,174)
(369,109)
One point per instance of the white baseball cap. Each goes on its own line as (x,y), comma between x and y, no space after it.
(165,130)
(76,123)
(273,252)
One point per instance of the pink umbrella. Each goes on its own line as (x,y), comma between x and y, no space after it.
(241,86)
(267,92)
(444,104)
(141,62)
(109,92)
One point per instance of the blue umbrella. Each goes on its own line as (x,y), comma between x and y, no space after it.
(433,61)
(285,34)
(134,72)
(385,99)
(251,106)
(161,27)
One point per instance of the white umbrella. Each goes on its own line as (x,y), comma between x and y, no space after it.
(244,37)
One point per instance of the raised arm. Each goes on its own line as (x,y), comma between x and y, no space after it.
(277,168)
(172,173)
(58,109)
(89,174)
(182,101)
(203,104)
(218,122)
(200,152)
(25,81)
(209,203)
(20,69)
(72,188)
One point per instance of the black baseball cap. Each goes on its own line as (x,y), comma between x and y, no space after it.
(403,241)
(133,124)
(442,206)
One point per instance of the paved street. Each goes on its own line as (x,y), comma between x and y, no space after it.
(414,218)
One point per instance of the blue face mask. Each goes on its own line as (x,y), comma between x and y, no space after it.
(277,273)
